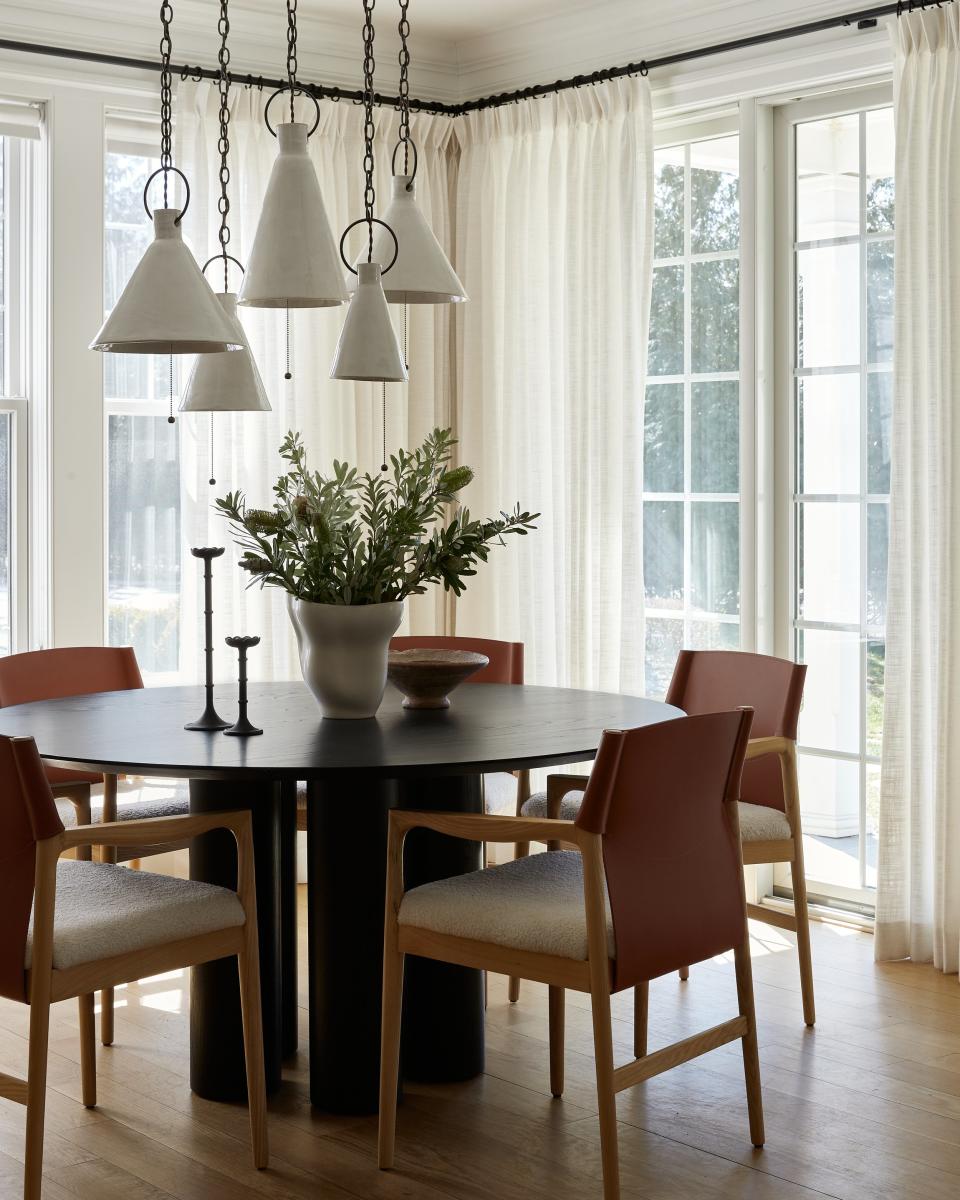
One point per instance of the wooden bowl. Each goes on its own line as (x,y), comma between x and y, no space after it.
(427,677)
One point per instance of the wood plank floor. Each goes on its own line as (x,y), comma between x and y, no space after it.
(865,1107)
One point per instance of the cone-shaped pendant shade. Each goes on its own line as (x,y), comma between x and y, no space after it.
(294,262)
(226,382)
(422,273)
(167,306)
(368,348)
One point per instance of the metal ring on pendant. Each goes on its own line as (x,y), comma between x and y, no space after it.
(416,161)
(298,91)
(375,221)
(186,184)
(220,258)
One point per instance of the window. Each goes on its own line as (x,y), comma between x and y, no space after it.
(18,258)
(143,459)
(841,412)
(691,525)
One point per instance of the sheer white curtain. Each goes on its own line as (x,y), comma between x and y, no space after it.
(918,893)
(554,237)
(338,420)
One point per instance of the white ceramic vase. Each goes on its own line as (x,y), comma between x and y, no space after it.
(343,653)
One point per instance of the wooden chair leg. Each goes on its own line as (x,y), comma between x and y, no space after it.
(802,913)
(36,1100)
(106,1016)
(606,1096)
(390,1049)
(557,1013)
(641,1001)
(684,974)
(520,850)
(798,875)
(751,1056)
(109,855)
(249,967)
(88,1051)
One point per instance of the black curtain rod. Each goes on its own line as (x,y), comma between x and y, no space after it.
(865,18)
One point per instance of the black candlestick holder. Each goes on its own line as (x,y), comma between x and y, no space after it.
(243,727)
(211,719)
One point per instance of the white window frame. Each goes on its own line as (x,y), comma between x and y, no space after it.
(787,116)
(24,258)
(685,131)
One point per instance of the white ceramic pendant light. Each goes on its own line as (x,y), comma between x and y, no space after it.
(225,382)
(422,273)
(167,306)
(293,262)
(368,349)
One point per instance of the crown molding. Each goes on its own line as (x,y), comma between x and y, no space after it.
(566,42)
(616,31)
(329,51)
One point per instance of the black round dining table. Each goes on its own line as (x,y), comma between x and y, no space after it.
(355,772)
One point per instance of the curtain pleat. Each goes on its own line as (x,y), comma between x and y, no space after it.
(918,888)
(554,244)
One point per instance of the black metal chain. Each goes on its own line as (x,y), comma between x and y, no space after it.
(404,89)
(292,53)
(166,96)
(223,145)
(369,65)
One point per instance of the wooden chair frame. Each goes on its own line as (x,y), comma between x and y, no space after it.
(754,854)
(592,976)
(46,985)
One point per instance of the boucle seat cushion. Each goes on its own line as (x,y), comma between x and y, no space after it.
(536,806)
(533,903)
(175,803)
(103,910)
(758,823)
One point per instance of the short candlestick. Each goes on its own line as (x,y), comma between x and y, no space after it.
(243,727)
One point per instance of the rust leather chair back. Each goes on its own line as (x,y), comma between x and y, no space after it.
(67,671)
(711,680)
(506,658)
(663,798)
(27,815)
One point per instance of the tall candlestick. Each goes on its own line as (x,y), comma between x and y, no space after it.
(211,719)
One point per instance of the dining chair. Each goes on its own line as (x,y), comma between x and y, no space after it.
(70,928)
(770,824)
(660,803)
(83,671)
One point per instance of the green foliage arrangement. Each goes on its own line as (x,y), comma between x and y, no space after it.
(365,539)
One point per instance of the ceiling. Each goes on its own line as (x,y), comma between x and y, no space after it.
(460,49)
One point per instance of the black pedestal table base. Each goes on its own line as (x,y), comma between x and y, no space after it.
(442,1038)
(288,917)
(443,1007)
(216,1032)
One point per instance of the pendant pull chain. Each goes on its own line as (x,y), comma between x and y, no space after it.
(171,420)
(213,479)
(287,374)
(383,403)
